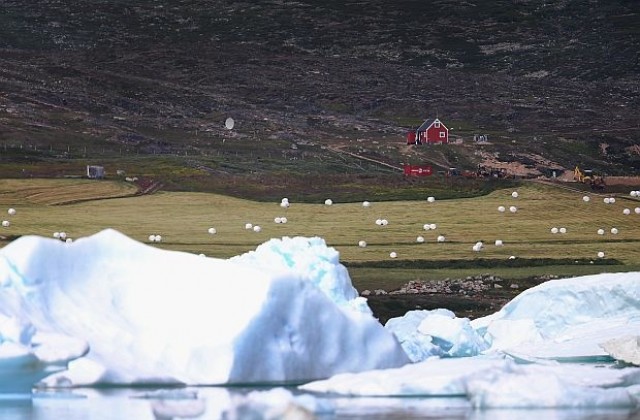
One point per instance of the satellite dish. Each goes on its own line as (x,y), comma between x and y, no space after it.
(229,123)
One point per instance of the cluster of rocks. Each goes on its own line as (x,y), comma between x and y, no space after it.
(471,285)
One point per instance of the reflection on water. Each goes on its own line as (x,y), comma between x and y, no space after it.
(236,404)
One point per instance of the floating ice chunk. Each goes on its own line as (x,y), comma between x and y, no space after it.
(432,377)
(494,383)
(626,348)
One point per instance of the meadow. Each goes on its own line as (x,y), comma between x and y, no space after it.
(81,207)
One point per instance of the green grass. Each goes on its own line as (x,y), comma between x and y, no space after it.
(183,219)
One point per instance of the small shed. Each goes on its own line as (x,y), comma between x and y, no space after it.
(95,172)
(432,131)
(417,170)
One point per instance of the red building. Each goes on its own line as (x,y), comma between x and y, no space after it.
(431,131)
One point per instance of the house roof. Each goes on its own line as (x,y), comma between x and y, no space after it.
(427,123)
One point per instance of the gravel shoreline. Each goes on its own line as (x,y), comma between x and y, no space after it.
(470,297)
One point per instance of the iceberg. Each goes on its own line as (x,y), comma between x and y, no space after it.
(547,348)
(566,319)
(490,382)
(438,332)
(107,309)
(151,316)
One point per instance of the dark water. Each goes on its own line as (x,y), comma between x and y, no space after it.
(233,404)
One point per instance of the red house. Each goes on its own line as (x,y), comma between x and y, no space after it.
(431,131)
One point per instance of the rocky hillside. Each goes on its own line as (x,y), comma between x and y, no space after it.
(552,83)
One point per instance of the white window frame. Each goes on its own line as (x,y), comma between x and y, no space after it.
(436,124)
(443,134)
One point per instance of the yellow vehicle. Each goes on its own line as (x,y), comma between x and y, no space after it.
(587,176)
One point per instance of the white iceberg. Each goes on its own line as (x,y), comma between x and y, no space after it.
(424,334)
(558,321)
(493,382)
(157,316)
(566,319)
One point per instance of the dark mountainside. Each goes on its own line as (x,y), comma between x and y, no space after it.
(552,83)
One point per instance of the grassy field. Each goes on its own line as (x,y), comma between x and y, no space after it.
(81,207)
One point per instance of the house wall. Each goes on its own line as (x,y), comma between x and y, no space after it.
(433,134)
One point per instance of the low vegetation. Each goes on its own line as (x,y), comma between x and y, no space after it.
(82,207)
